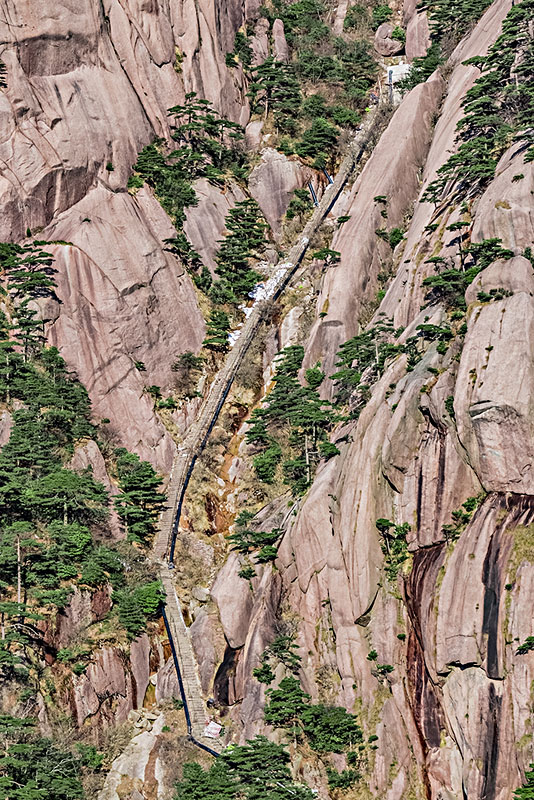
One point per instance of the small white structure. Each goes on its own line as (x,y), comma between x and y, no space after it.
(396,73)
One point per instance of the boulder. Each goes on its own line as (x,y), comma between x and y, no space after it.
(272,183)
(259,42)
(6,423)
(384,44)
(253,134)
(234,600)
(495,385)
(104,692)
(280,48)
(208,643)
(167,681)
(417,36)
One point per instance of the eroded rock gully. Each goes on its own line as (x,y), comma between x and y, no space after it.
(89,85)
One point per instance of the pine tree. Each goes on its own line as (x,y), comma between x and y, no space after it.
(140,500)
(286,704)
(240,248)
(526,792)
(217,328)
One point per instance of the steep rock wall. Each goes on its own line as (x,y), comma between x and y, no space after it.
(88,85)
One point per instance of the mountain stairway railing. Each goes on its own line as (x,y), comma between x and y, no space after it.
(197,436)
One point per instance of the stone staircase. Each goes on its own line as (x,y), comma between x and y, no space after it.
(198,434)
(196,707)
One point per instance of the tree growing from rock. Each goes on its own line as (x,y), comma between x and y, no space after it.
(140,500)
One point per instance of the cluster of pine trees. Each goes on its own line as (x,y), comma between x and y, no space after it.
(498,109)
(49,513)
(321,90)
(290,429)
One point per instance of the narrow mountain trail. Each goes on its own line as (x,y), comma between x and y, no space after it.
(198,435)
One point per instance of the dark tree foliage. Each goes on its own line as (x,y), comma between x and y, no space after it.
(136,604)
(422,67)
(318,142)
(258,770)
(238,251)
(498,109)
(294,414)
(247,537)
(526,792)
(242,52)
(393,544)
(361,362)
(330,729)
(274,88)
(286,704)
(140,500)
(449,285)
(34,768)
(28,275)
(217,328)
(451,19)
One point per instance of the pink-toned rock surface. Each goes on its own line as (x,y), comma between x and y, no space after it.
(113,684)
(89,455)
(208,645)
(259,42)
(392,172)
(105,691)
(272,183)
(417,36)
(6,423)
(253,134)
(234,599)
(384,44)
(84,91)
(167,681)
(121,294)
(452,717)
(495,384)
(280,48)
(405,295)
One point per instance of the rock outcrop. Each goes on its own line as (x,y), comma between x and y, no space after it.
(385,44)
(272,183)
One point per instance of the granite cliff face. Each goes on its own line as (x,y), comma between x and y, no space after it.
(88,86)
(452,718)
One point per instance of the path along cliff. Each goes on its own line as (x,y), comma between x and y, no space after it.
(198,434)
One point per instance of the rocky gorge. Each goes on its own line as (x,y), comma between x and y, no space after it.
(403,560)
